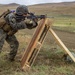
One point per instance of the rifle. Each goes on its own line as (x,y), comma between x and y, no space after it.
(30,16)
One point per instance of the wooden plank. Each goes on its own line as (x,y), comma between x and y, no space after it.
(33,42)
(61,44)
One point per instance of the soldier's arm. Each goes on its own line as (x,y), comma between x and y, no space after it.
(16,25)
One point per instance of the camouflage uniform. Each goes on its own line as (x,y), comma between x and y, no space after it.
(11,39)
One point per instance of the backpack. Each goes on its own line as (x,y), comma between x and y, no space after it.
(2,20)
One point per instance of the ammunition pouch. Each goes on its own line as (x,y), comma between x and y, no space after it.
(6,27)
(2,22)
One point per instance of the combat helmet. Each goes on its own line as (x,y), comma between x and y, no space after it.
(22,9)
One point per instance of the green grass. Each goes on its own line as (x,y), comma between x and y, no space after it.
(64,23)
(48,62)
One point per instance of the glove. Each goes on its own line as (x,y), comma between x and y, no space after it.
(30,23)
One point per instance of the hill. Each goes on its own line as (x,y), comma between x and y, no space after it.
(4,7)
(51,9)
(11,4)
(65,8)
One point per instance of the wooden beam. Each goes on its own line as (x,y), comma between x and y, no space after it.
(61,44)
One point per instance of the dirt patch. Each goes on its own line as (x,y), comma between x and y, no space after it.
(67,38)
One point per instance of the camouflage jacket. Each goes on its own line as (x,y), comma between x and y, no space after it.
(21,24)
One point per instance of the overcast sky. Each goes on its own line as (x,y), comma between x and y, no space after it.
(30,2)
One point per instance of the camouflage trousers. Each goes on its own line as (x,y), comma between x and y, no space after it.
(11,40)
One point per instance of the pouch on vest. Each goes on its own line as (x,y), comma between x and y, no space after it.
(2,22)
(7,27)
(11,32)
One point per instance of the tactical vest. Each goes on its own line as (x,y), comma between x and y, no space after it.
(6,27)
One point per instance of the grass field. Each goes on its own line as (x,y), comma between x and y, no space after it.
(65,23)
(49,60)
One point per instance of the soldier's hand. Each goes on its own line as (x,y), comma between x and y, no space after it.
(28,21)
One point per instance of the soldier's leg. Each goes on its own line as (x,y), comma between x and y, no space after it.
(2,38)
(12,41)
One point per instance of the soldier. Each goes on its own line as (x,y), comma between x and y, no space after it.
(14,22)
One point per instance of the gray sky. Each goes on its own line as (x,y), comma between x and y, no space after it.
(29,2)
